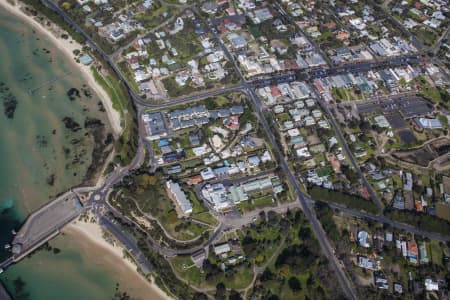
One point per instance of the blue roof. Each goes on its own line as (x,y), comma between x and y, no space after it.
(163,142)
(85,59)
(199,31)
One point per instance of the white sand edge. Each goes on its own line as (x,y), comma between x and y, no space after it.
(67,46)
(94,233)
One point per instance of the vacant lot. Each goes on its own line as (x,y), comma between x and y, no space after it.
(424,154)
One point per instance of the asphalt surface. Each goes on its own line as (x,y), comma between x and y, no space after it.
(247,88)
(128,242)
(348,152)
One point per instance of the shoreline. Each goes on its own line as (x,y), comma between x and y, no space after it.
(94,234)
(67,46)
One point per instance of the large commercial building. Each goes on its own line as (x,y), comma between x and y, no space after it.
(155,127)
(179,196)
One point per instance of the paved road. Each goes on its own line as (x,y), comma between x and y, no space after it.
(315,225)
(248,88)
(347,151)
(128,242)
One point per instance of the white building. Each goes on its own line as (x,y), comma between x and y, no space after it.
(179,196)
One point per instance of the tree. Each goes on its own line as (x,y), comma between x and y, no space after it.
(294,284)
(221,291)
(234,295)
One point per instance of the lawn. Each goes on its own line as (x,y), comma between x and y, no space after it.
(253,204)
(206,217)
(186,269)
(125,147)
(151,197)
(241,277)
(436,252)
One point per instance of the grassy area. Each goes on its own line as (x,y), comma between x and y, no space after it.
(423,221)
(253,204)
(240,276)
(436,252)
(350,201)
(186,269)
(152,198)
(156,15)
(125,148)
(206,217)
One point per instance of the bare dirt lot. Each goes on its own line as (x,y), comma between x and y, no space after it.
(424,154)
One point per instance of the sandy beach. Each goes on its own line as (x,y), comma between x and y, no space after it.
(67,46)
(91,235)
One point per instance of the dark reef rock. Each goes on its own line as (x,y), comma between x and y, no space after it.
(71,124)
(93,123)
(73,93)
(51,180)
(9,101)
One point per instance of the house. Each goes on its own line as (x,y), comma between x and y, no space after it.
(407,181)
(174,169)
(431,285)
(398,288)
(253,161)
(413,252)
(207,174)
(380,280)
(195,180)
(237,41)
(222,249)
(367,263)
(362,239)
(423,253)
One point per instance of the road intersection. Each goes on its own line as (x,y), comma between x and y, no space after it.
(107,215)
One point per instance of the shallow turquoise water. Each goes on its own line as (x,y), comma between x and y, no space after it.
(36,147)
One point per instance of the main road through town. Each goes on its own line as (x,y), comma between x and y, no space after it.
(98,195)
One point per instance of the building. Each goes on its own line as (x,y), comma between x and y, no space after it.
(216,195)
(423,253)
(178,195)
(362,239)
(380,280)
(367,263)
(86,59)
(431,285)
(222,248)
(413,252)
(207,174)
(154,125)
(426,123)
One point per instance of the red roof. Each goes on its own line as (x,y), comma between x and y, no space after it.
(275,91)
(195,180)
(419,206)
(364,192)
(412,247)
(232,122)
(231,11)
(318,86)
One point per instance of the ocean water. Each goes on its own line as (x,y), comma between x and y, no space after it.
(39,158)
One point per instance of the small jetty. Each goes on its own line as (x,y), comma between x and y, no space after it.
(3,293)
(44,224)
(48,82)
